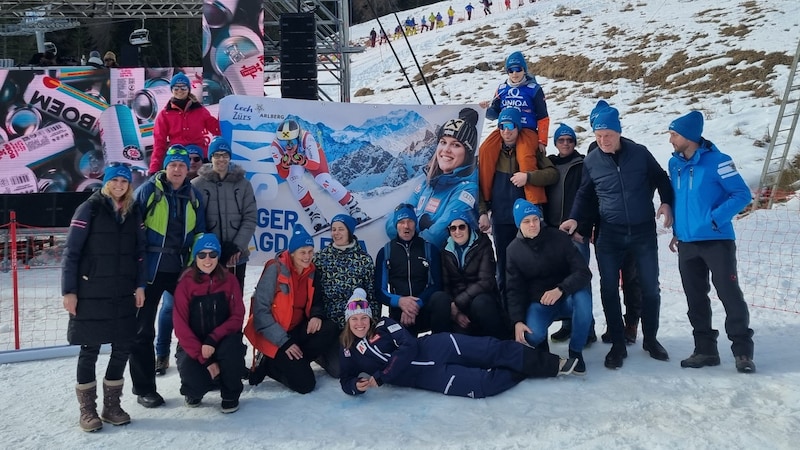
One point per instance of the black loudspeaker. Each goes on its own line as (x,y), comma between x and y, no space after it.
(41,210)
(298,56)
(299,89)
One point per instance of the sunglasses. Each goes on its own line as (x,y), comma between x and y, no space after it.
(177,151)
(119,164)
(460,227)
(565,141)
(507,126)
(355,305)
(180,87)
(195,158)
(515,69)
(204,255)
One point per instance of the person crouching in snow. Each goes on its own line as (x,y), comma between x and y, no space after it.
(295,151)
(453,364)
(208,316)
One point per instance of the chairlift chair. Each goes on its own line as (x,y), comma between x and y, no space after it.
(50,47)
(140,36)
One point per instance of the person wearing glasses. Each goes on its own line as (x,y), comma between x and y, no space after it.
(173,214)
(547,279)
(342,266)
(468,276)
(195,160)
(295,151)
(230,206)
(184,120)
(288,327)
(561,195)
(208,319)
(374,353)
(521,91)
(102,284)
(511,167)
(451,181)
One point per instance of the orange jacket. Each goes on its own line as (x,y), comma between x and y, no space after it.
(526,148)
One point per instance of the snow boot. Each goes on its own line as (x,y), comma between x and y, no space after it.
(318,221)
(356,212)
(112,411)
(564,333)
(580,368)
(87,396)
(162,364)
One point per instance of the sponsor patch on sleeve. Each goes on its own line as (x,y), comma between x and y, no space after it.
(467,198)
(394,327)
(727,169)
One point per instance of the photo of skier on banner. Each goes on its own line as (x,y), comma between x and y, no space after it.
(295,151)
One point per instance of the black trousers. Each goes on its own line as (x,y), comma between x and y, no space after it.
(434,316)
(87,361)
(486,315)
(143,354)
(196,381)
(695,261)
(296,374)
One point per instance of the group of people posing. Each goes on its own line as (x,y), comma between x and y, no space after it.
(487,303)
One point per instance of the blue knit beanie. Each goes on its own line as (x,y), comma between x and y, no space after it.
(219,144)
(300,238)
(607,119)
(689,126)
(463,214)
(117,170)
(523,209)
(509,114)
(207,241)
(404,211)
(180,155)
(601,105)
(347,221)
(564,130)
(516,61)
(180,78)
(194,150)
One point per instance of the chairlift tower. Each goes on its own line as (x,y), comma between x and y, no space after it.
(780,142)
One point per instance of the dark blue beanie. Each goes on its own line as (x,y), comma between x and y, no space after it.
(601,105)
(117,170)
(509,114)
(689,126)
(564,130)
(607,119)
(516,60)
(180,155)
(523,209)
(180,78)
(194,150)
(219,144)
(207,241)
(463,214)
(347,221)
(404,211)
(300,238)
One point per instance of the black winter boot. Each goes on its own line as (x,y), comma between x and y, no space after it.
(580,368)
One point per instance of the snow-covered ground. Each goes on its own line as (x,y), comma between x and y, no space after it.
(646,404)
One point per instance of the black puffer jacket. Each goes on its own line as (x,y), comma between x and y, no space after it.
(477,274)
(534,266)
(103,266)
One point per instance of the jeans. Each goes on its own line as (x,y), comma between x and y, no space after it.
(611,246)
(164,336)
(578,306)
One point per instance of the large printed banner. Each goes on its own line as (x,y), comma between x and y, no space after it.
(309,161)
(60,127)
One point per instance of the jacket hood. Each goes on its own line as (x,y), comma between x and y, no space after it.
(235,173)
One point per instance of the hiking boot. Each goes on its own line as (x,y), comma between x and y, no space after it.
(580,368)
(162,363)
(745,364)
(191,402)
(259,370)
(606,337)
(631,330)
(656,350)
(562,334)
(318,221)
(151,400)
(698,360)
(229,406)
(87,396)
(112,410)
(566,366)
(615,357)
(356,212)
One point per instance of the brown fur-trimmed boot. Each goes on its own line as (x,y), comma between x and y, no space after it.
(112,411)
(87,396)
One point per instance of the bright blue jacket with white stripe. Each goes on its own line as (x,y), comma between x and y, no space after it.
(709,192)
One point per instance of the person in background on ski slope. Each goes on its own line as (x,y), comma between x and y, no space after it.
(383,352)
(487,7)
(469,9)
(451,13)
(452,179)
(408,273)
(547,279)
(423,24)
(511,167)
(208,319)
(288,327)
(709,192)
(521,91)
(508,5)
(468,277)
(294,152)
(623,176)
(384,38)
(342,266)
(373,36)
(439,20)
(184,120)
(102,285)
(432,20)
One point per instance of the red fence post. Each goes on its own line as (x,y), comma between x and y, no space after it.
(13,228)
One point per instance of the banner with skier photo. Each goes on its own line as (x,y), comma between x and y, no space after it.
(309,161)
